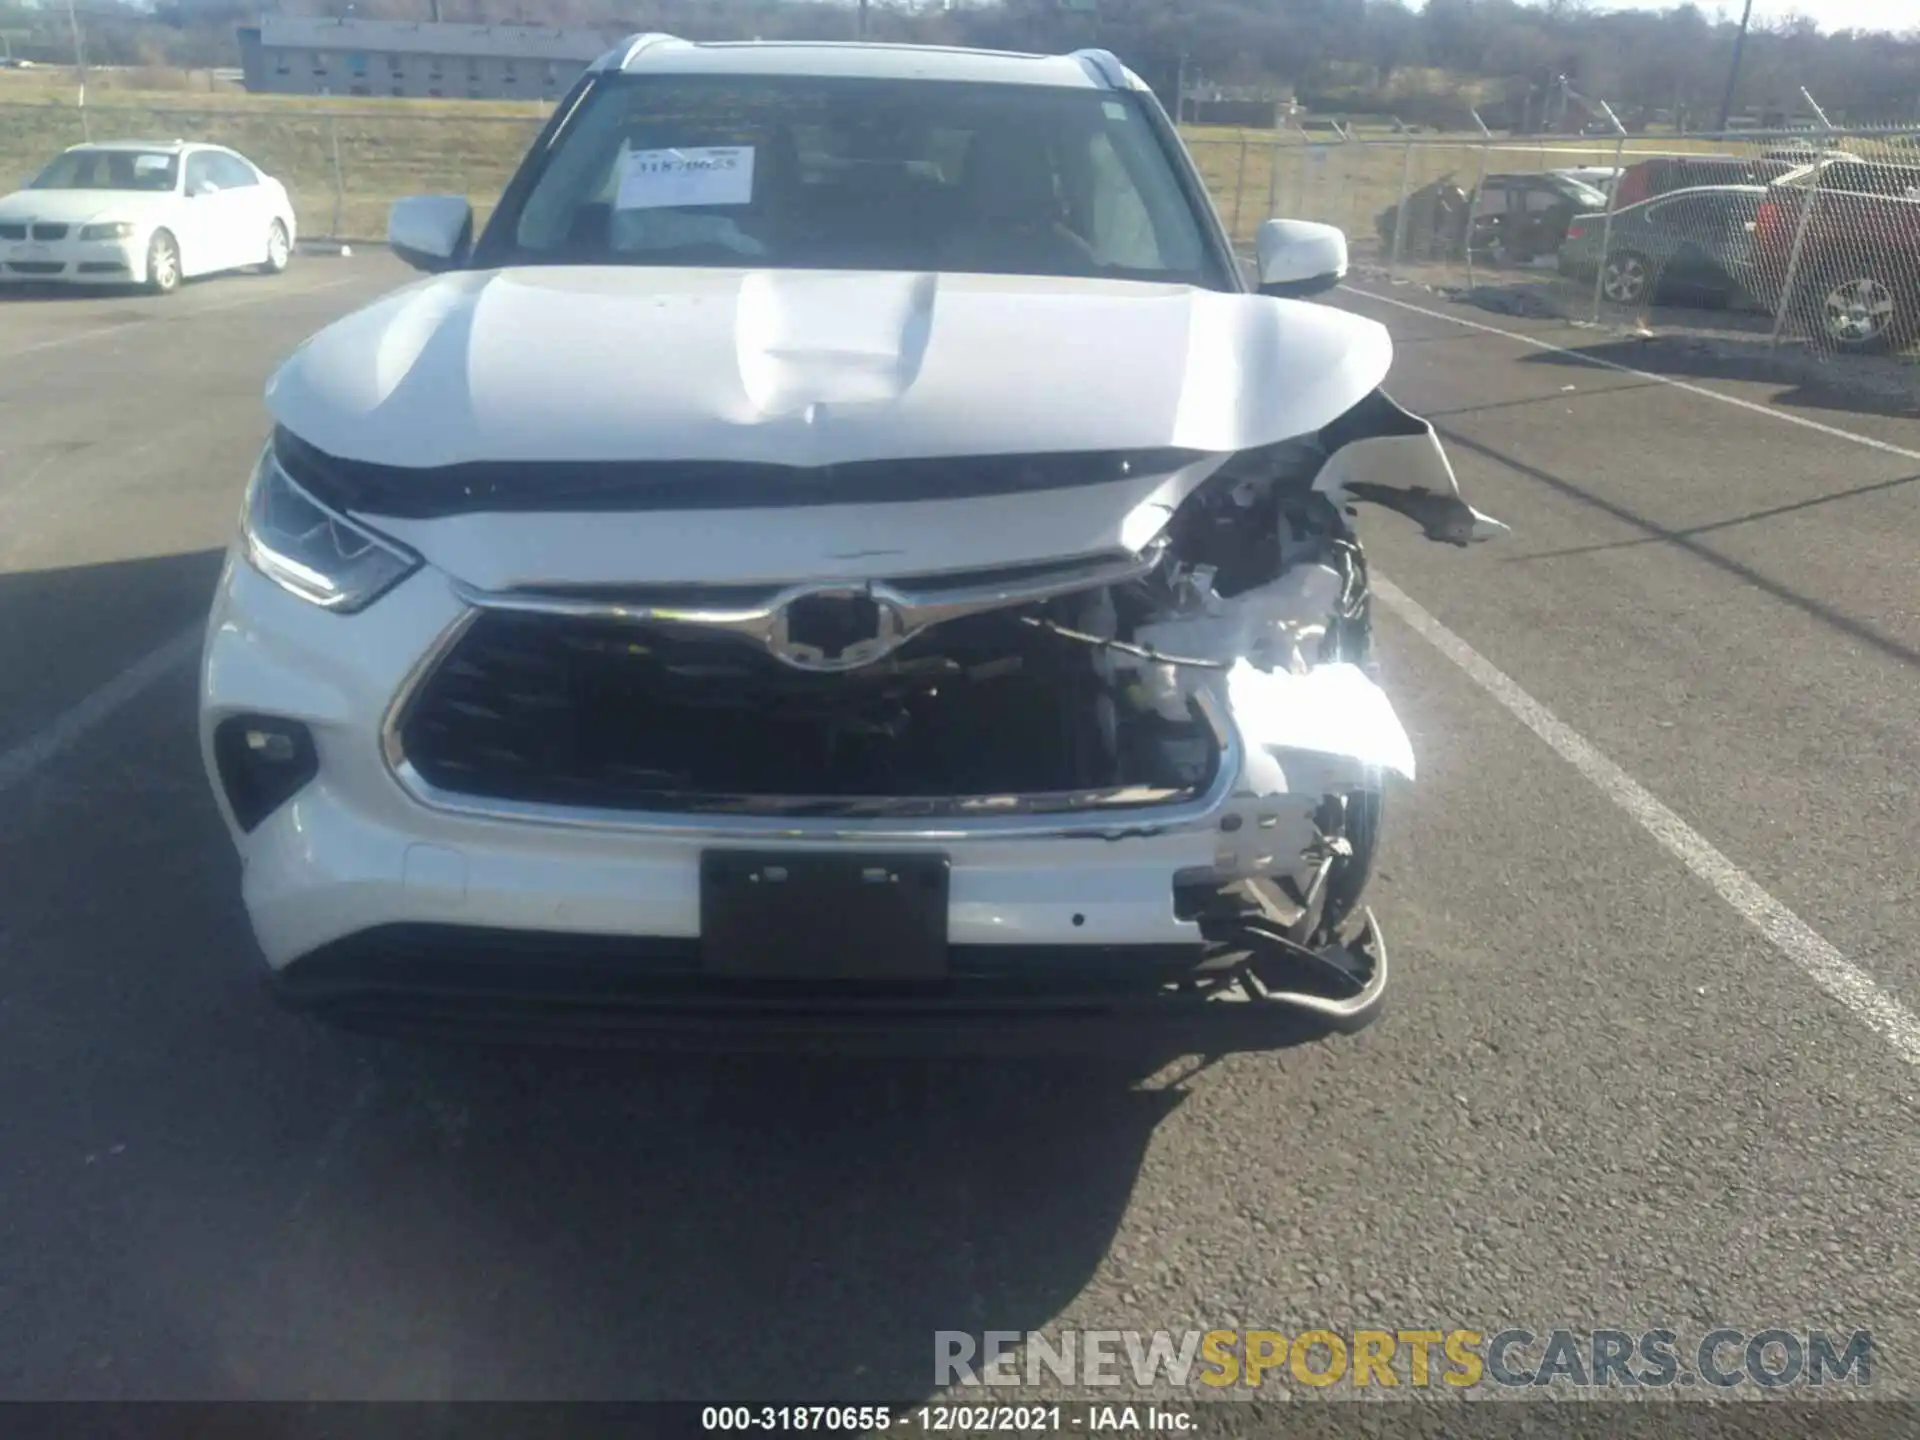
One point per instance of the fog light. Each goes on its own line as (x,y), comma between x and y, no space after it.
(263,763)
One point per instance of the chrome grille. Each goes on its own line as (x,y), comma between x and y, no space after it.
(582,713)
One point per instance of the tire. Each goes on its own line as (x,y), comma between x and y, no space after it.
(1854,306)
(163,264)
(279,250)
(1346,886)
(1364,810)
(1627,278)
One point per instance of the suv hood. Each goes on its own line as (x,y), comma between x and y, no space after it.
(804,370)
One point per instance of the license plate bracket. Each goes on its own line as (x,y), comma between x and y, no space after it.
(787,916)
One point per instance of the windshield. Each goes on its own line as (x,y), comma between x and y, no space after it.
(807,172)
(1580,192)
(110,170)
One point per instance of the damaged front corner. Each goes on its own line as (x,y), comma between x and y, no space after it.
(1280,625)
(1333,721)
(1386,456)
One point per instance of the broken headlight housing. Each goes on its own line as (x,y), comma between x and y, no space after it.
(313,552)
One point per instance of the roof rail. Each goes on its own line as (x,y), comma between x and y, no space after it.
(1104,66)
(624,54)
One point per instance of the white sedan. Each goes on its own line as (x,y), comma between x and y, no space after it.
(142,213)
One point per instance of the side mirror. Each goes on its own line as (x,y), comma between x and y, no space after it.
(1300,257)
(431,232)
(200,188)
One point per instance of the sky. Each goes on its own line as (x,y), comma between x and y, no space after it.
(1895,15)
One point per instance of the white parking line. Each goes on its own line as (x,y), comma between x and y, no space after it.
(74,339)
(72,724)
(1519,338)
(1788,933)
(185,314)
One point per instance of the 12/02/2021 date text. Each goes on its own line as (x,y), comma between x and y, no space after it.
(1050,1419)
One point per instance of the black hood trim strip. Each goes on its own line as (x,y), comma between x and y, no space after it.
(573,486)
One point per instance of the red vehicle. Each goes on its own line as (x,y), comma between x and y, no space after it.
(1856,287)
(1648,178)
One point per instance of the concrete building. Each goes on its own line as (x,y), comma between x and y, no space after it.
(308,55)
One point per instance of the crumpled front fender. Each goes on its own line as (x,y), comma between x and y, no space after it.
(1381,454)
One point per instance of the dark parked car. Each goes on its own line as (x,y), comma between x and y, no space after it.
(1521,216)
(1857,285)
(1685,246)
(1436,217)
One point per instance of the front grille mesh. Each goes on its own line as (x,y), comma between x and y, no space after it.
(50,232)
(579,713)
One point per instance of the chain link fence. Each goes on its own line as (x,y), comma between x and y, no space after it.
(343,167)
(1808,237)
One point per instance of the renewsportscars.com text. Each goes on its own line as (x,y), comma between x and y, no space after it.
(1514,1358)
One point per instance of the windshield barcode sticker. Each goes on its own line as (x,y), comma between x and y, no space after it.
(708,175)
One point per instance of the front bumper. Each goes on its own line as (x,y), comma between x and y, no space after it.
(365,897)
(72,262)
(477,984)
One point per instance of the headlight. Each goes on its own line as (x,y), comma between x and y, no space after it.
(112,230)
(307,549)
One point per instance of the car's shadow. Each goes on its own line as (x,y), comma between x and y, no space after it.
(755,1228)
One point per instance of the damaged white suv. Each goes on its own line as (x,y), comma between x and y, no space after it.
(846,546)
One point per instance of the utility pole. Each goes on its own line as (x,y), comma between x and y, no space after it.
(80,67)
(1733,70)
(862,23)
(1180,92)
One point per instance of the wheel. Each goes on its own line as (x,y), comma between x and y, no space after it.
(279,249)
(1855,307)
(1626,278)
(163,264)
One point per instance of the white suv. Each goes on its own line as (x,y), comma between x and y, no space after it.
(845,545)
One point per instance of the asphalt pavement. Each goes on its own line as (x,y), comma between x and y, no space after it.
(1651,906)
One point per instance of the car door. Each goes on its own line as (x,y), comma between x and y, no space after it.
(1692,234)
(246,209)
(1489,214)
(200,231)
(1542,224)
(222,193)
(1731,244)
